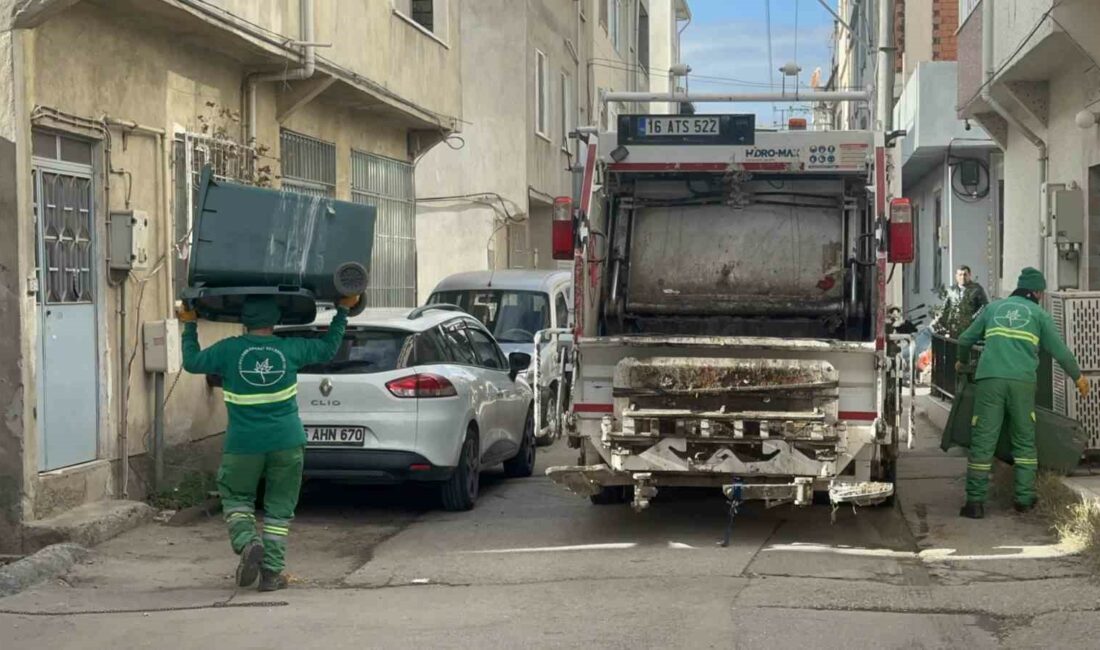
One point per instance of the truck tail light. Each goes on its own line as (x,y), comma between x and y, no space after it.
(563,228)
(425,385)
(901,248)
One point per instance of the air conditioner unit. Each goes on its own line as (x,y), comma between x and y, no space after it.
(1077,318)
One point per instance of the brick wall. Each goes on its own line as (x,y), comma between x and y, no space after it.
(945,20)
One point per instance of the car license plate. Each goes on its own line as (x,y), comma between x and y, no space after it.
(673,126)
(336,436)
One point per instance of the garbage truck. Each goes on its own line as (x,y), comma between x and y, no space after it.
(729,315)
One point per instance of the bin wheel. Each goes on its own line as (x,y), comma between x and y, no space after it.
(361,307)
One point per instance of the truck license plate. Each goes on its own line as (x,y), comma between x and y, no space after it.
(673,126)
(336,436)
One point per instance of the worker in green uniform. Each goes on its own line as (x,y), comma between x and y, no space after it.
(1014,330)
(265,437)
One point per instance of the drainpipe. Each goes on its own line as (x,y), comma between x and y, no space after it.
(309,65)
(884,98)
(987,97)
(159,136)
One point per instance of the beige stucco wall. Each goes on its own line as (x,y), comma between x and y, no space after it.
(369,39)
(918,36)
(490,155)
(127,70)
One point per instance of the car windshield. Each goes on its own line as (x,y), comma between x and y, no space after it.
(363,351)
(512,316)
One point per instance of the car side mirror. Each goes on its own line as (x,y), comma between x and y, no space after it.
(517,363)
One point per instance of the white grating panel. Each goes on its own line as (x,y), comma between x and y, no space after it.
(1076,315)
(1087,412)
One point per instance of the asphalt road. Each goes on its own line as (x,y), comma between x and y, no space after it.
(534,566)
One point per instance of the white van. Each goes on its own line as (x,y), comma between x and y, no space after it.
(514,305)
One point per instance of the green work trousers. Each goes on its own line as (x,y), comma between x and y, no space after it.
(238,480)
(996,399)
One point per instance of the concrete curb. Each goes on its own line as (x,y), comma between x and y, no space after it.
(87,525)
(46,563)
(1086,487)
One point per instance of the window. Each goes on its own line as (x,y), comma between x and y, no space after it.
(388,185)
(643,38)
(309,164)
(488,354)
(229,161)
(511,316)
(567,108)
(363,351)
(604,4)
(614,22)
(458,346)
(428,349)
(542,95)
(561,311)
(429,15)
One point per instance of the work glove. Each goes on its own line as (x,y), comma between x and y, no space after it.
(186,315)
(349,302)
(1083,386)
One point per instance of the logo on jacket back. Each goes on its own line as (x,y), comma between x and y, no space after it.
(262,367)
(1012,315)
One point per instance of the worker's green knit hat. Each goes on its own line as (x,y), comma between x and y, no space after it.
(260,312)
(1031,280)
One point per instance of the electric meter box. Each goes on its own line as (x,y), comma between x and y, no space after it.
(161,341)
(128,240)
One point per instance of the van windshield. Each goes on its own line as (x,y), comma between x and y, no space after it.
(512,316)
(363,351)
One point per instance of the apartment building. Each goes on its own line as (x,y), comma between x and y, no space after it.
(532,71)
(108,111)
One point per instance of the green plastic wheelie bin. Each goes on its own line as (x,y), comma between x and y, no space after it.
(255,241)
(1059,440)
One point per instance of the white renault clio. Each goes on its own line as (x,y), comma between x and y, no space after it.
(425,395)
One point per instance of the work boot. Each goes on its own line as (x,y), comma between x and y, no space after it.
(1024,508)
(272,580)
(973,510)
(249,566)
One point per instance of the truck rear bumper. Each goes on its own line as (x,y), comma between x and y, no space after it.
(589,480)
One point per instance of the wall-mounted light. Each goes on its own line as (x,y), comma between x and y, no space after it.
(1086,119)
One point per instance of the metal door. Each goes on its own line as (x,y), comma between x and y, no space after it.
(67,369)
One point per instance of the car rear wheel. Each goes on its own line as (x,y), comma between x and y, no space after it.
(522,464)
(460,491)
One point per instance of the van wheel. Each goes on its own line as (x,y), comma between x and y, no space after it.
(548,402)
(460,491)
(522,464)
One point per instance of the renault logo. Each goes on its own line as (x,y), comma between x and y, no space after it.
(326,386)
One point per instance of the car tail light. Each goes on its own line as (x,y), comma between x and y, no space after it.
(562,234)
(421,386)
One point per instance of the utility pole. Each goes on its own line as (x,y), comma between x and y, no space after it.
(884,91)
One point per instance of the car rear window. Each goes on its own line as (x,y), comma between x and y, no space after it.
(363,351)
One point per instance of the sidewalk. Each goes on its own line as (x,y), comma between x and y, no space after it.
(1085,482)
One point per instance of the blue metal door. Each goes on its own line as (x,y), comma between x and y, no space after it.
(67,372)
